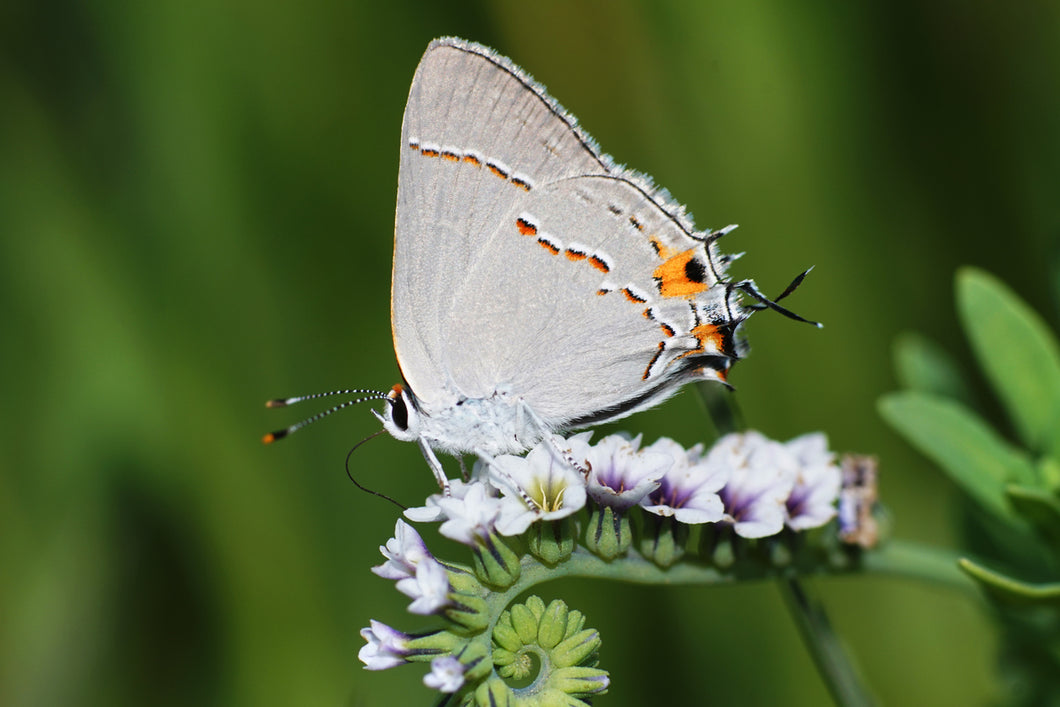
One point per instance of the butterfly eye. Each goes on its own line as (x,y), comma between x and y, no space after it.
(399,412)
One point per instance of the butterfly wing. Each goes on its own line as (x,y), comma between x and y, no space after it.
(526,262)
(471,117)
(599,303)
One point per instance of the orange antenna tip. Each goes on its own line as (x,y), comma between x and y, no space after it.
(273,436)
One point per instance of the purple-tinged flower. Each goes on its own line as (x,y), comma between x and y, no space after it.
(385,647)
(447,674)
(762,474)
(812,502)
(539,486)
(688,491)
(429,589)
(472,518)
(620,473)
(403,553)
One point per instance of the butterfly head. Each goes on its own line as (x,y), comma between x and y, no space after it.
(401,417)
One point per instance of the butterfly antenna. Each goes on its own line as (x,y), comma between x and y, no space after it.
(750,289)
(284,402)
(794,284)
(365,488)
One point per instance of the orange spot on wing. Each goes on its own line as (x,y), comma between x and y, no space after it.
(575,254)
(681,275)
(525,227)
(451,156)
(428,152)
(598,263)
(708,334)
(635,299)
(551,248)
(667,329)
(658,353)
(472,160)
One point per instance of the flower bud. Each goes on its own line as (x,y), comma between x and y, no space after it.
(608,534)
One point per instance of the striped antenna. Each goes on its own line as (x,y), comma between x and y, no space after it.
(284,402)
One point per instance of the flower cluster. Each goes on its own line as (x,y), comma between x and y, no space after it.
(521,515)
(746,481)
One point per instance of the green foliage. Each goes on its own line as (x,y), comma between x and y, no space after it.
(1019,355)
(922,365)
(976,458)
(1015,484)
(1011,590)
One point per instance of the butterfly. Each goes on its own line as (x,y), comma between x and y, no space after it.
(538,286)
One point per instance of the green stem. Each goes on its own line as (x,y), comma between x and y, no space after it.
(837,668)
(897,558)
(721,407)
(932,565)
(835,665)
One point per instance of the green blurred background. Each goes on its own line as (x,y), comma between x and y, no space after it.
(196,214)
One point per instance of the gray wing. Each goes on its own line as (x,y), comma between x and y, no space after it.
(526,261)
(475,129)
(590,302)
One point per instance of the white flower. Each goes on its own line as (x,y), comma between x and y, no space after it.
(620,473)
(402,552)
(762,474)
(447,674)
(473,517)
(812,502)
(429,588)
(385,648)
(688,490)
(536,487)
(432,511)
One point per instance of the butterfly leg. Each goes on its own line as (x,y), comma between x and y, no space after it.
(435,465)
(499,478)
(520,422)
(561,453)
(565,455)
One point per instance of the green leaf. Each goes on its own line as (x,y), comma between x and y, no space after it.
(1009,588)
(1049,473)
(1039,508)
(1019,355)
(923,365)
(973,455)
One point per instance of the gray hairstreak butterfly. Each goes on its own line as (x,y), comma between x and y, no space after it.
(538,286)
